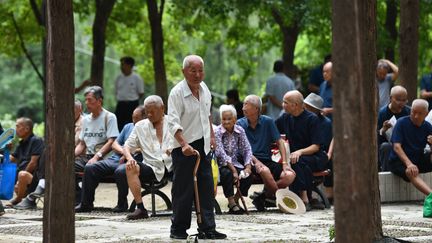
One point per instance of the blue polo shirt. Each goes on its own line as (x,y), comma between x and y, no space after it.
(412,138)
(426,84)
(385,114)
(121,139)
(326,94)
(260,138)
(326,128)
(302,131)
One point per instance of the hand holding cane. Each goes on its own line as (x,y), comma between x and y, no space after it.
(197,202)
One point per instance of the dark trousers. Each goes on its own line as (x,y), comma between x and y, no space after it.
(183,190)
(93,174)
(123,112)
(304,168)
(226,180)
(384,156)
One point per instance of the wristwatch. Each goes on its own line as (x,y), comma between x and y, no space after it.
(99,155)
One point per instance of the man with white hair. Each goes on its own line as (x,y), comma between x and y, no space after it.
(261,132)
(190,122)
(397,108)
(151,136)
(410,135)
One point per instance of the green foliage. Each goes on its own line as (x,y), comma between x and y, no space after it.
(332,232)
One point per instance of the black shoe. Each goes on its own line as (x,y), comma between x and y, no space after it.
(259,202)
(316,204)
(138,214)
(308,207)
(179,236)
(118,209)
(83,208)
(2,211)
(211,234)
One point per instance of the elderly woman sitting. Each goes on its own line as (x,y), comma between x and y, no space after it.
(234,156)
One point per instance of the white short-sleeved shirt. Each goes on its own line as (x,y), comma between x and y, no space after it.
(154,154)
(96,131)
(128,88)
(187,113)
(277,86)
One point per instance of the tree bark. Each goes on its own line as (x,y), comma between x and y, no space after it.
(103,12)
(58,220)
(390,25)
(289,39)
(357,201)
(157,40)
(409,36)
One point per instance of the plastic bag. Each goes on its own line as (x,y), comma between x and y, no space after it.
(215,171)
(427,207)
(7,177)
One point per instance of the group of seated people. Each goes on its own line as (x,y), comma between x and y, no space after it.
(141,151)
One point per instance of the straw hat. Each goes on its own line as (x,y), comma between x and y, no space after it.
(315,101)
(288,202)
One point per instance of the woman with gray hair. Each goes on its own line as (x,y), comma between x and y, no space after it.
(234,156)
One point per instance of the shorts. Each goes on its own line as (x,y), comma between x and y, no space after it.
(398,168)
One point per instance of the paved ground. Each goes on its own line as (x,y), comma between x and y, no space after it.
(403,221)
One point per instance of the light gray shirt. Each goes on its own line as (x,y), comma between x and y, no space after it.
(187,113)
(155,155)
(96,131)
(129,88)
(277,86)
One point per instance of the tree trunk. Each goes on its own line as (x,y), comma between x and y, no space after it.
(103,11)
(357,201)
(289,39)
(155,18)
(390,25)
(58,220)
(409,36)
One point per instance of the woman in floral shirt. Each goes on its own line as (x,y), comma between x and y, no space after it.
(234,156)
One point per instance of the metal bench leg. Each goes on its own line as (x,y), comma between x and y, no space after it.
(322,196)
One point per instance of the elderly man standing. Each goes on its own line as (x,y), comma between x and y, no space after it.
(410,136)
(261,133)
(302,129)
(99,130)
(152,137)
(189,121)
(326,91)
(397,108)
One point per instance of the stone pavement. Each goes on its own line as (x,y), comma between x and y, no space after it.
(403,221)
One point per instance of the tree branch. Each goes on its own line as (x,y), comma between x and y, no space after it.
(25,50)
(36,12)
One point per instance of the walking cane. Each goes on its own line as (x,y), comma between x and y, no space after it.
(241,197)
(197,202)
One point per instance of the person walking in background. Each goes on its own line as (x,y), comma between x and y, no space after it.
(190,122)
(385,80)
(426,87)
(129,88)
(276,87)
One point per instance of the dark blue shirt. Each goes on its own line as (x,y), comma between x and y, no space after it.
(260,138)
(302,131)
(326,94)
(326,128)
(121,139)
(412,138)
(426,84)
(385,114)
(316,75)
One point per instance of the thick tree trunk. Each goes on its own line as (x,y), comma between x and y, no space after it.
(59,214)
(409,36)
(155,18)
(289,39)
(390,25)
(357,202)
(103,11)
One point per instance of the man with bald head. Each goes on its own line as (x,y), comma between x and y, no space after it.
(397,108)
(189,121)
(261,133)
(326,91)
(302,129)
(409,138)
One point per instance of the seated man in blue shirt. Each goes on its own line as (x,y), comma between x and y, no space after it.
(94,172)
(397,108)
(261,133)
(409,138)
(305,139)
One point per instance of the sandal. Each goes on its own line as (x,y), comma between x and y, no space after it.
(235,209)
